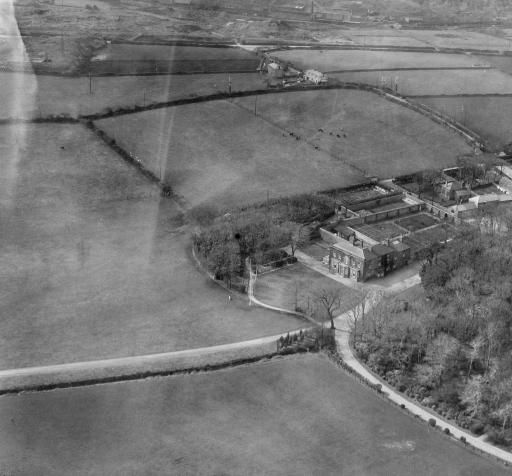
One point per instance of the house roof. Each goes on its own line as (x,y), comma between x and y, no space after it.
(381,250)
(400,246)
(343,230)
(350,249)
(491,197)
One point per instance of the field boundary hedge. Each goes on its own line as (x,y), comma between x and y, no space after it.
(470,136)
(128,157)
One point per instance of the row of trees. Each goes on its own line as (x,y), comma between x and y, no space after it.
(450,346)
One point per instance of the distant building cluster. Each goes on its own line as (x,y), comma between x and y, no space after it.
(378,230)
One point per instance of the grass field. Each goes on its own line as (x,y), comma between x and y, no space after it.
(360,128)
(428,82)
(220,153)
(45,95)
(297,285)
(342,60)
(433,38)
(297,415)
(488,116)
(95,264)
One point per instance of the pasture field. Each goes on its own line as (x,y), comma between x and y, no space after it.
(295,415)
(137,59)
(220,153)
(297,286)
(463,39)
(434,82)
(503,63)
(95,264)
(31,96)
(489,116)
(362,129)
(346,60)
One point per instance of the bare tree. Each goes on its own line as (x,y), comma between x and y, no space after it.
(330,301)
(358,313)
(295,235)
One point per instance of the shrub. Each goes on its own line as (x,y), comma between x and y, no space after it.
(463,439)
(477,427)
(432,422)
(402,406)
(446,431)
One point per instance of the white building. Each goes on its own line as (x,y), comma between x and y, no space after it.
(315,76)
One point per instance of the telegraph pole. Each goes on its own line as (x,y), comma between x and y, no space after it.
(255,104)
(90,82)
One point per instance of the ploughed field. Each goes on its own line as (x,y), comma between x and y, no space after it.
(222,154)
(95,264)
(362,130)
(138,59)
(293,415)
(30,96)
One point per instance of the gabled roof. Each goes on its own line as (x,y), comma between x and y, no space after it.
(350,249)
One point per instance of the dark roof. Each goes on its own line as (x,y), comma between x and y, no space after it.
(381,250)
(343,230)
(350,249)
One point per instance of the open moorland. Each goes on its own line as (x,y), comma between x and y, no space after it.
(95,264)
(489,116)
(36,96)
(362,129)
(298,286)
(236,162)
(297,415)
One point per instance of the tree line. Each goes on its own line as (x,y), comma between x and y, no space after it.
(450,345)
(227,241)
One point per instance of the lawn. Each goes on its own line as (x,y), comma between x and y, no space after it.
(33,96)
(95,264)
(220,153)
(488,116)
(363,129)
(297,415)
(297,286)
